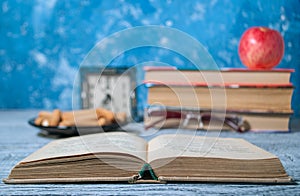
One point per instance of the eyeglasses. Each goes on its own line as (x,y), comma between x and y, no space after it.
(234,122)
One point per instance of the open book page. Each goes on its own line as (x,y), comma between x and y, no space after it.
(95,143)
(167,146)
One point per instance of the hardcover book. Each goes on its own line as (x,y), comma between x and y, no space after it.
(240,121)
(123,157)
(166,74)
(256,98)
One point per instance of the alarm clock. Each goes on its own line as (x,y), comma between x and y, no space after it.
(110,88)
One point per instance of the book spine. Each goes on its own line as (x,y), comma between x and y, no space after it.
(147,167)
(143,176)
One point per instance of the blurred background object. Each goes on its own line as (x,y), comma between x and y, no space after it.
(42,43)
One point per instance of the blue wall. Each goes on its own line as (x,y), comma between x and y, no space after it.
(43,42)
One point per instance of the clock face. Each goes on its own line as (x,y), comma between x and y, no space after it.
(112,89)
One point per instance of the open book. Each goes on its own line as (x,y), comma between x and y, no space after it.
(118,156)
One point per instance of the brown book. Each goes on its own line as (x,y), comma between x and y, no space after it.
(165,74)
(162,118)
(117,157)
(256,98)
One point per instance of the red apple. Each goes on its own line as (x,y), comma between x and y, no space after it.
(261,48)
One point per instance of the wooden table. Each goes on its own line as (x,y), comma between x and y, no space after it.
(18,139)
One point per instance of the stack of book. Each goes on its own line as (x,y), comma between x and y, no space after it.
(261,99)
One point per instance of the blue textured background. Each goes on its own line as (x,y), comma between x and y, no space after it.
(43,42)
